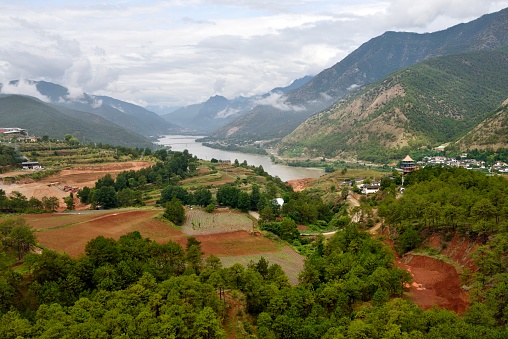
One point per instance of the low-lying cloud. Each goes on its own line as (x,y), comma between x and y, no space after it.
(278,101)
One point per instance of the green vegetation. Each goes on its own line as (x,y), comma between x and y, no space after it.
(40,119)
(433,102)
(174,211)
(349,287)
(18,203)
(448,200)
(8,156)
(235,148)
(139,288)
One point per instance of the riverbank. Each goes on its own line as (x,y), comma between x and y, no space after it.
(284,172)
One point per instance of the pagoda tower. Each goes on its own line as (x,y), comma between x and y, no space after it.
(408,165)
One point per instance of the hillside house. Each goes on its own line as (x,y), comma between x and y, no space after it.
(31,165)
(13,130)
(370,189)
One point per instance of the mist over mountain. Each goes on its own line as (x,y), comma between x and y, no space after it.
(371,62)
(218,111)
(435,101)
(55,121)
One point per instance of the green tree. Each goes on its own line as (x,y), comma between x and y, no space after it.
(84,195)
(202,197)
(244,202)
(35,204)
(51,203)
(174,211)
(105,197)
(69,202)
(178,192)
(22,238)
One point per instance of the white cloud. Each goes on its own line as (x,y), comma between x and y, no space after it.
(23,87)
(278,100)
(177,53)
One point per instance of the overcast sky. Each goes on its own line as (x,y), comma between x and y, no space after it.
(180,52)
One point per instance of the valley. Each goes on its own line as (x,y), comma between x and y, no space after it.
(368,200)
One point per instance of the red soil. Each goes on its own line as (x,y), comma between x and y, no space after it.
(435,283)
(459,249)
(69,233)
(235,244)
(79,176)
(73,239)
(299,184)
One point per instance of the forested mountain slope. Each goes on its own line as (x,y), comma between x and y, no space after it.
(369,63)
(490,133)
(129,116)
(41,119)
(432,102)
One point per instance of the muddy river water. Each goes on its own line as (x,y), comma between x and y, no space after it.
(285,173)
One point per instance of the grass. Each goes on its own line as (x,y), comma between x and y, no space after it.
(199,221)
(290,261)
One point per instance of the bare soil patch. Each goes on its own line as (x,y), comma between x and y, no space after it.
(299,184)
(235,243)
(435,283)
(70,233)
(72,238)
(228,237)
(79,177)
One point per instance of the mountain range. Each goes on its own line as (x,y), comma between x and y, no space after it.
(396,92)
(88,117)
(371,62)
(490,133)
(41,118)
(219,111)
(434,101)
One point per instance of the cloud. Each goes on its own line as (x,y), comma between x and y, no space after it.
(226,113)
(23,87)
(178,53)
(278,101)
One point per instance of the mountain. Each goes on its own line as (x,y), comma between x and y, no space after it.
(162,110)
(294,85)
(371,62)
(129,116)
(40,118)
(435,101)
(490,133)
(218,111)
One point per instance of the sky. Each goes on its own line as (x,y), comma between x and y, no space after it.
(181,52)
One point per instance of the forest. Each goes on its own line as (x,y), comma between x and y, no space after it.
(350,286)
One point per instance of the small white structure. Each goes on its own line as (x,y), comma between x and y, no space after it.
(370,189)
(278,201)
(31,165)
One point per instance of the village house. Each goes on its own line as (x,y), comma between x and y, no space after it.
(31,165)
(370,188)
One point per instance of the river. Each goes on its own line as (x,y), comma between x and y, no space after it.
(285,173)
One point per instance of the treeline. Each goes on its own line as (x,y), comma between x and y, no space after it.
(8,156)
(449,200)
(472,204)
(489,155)
(126,190)
(18,203)
(134,287)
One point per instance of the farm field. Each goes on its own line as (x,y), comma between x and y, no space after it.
(78,177)
(220,221)
(70,232)
(290,261)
